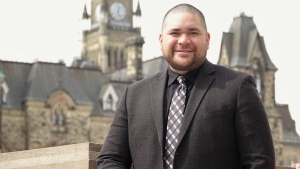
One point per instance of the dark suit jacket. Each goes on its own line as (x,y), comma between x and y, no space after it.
(225,125)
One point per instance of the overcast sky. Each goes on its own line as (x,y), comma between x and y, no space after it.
(50,30)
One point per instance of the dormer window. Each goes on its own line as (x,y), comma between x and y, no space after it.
(110,99)
(109,103)
(58,117)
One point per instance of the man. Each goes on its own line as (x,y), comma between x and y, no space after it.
(216,119)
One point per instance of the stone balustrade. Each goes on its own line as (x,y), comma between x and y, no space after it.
(75,156)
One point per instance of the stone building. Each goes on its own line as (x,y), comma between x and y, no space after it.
(243,49)
(49,104)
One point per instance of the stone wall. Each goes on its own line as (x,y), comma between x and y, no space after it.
(291,153)
(41,131)
(275,122)
(34,128)
(269,89)
(99,128)
(13,130)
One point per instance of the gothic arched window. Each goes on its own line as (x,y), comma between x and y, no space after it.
(122,60)
(116,59)
(54,117)
(61,118)
(257,76)
(108,58)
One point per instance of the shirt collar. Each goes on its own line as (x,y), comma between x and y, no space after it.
(190,76)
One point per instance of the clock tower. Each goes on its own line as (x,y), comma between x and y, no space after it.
(111,24)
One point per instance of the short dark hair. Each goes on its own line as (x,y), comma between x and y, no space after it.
(186,8)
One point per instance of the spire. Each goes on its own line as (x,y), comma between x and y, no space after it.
(138,11)
(85,15)
(137,17)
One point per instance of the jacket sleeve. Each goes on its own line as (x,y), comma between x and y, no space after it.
(115,152)
(252,128)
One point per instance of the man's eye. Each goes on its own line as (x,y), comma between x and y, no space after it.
(194,33)
(173,33)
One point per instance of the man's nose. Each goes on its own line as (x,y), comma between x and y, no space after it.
(184,39)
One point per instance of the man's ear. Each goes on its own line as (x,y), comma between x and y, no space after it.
(160,38)
(207,40)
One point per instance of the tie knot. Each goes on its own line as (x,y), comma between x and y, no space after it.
(181,80)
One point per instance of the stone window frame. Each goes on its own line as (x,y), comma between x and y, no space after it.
(58,115)
(110,99)
(258,75)
(109,103)
(58,118)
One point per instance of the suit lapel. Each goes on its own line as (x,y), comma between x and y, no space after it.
(202,83)
(157,89)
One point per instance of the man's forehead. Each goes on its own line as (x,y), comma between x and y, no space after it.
(173,17)
(178,19)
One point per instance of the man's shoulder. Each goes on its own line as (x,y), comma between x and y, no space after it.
(226,70)
(149,79)
(224,73)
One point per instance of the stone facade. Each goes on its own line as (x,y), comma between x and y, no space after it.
(290,153)
(34,128)
(14,131)
(99,128)
(37,127)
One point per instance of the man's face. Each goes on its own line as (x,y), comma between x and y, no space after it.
(184,41)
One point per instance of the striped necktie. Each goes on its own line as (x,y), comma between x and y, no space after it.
(174,122)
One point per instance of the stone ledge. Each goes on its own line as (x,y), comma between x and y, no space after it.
(81,156)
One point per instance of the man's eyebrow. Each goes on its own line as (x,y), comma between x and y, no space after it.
(178,29)
(173,29)
(194,29)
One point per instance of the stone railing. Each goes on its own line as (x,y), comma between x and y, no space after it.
(74,156)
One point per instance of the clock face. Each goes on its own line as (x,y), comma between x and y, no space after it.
(118,11)
(98,12)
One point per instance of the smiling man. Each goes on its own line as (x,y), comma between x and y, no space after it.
(192,115)
(184,39)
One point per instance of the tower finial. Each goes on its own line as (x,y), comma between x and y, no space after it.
(242,7)
(138,11)
(85,15)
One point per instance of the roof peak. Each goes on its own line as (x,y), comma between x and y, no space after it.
(243,15)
